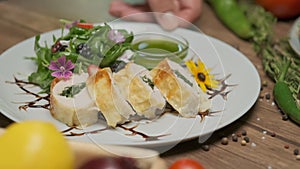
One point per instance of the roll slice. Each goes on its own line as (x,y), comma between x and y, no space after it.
(180,88)
(108,98)
(136,86)
(78,110)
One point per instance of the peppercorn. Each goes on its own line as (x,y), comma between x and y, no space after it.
(285,117)
(234,138)
(243,142)
(244,132)
(296,151)
(224,141)
(205,147)
(247,139)
(268,96)
(273,134)
(265,83)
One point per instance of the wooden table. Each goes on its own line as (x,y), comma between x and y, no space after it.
(263,151)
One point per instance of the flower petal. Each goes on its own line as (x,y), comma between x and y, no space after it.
(69,65)
(57,74)
(191,66)
(67,74)
(62,60)
(116,36)
(201,65)
(53,66)
(203,87)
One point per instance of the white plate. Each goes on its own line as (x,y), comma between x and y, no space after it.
(222,58)
(295,36)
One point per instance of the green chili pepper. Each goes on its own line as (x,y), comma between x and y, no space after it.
(284,97)
(233,17)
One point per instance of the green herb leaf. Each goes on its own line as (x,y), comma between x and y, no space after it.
(148,81)
(178,74)
(71,91)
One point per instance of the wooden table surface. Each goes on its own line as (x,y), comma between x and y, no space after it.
(262,152)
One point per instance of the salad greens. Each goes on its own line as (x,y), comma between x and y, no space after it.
(83,44)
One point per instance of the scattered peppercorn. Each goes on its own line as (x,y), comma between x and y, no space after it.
(234,138)
(285,117)
(268,96)
(273,134)
(247,139)
(265,83)
(205,147)
(244,132)
(243,142)
(261,96)
(286,146)
(296,151)
(298,157)
(224,141)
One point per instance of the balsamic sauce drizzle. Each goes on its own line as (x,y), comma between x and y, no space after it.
(145,136)
(65,132)
(134,132)
(222,90)
(34,103)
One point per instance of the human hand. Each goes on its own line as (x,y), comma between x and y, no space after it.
(167,12)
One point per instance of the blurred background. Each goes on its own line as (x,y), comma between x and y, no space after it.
(89,10)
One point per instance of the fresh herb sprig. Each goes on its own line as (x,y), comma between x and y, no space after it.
(273,52)
(280,62)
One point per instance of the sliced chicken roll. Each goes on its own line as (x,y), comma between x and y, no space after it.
(71,103)
(180,88)
(137,87)
(108,98)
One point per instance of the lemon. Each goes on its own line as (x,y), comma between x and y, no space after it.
(34,145)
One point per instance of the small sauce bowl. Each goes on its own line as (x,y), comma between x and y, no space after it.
(150,48)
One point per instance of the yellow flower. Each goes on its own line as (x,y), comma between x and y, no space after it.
(202,76)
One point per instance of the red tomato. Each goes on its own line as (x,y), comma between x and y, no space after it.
(186,164)
(85,25)
(283,9)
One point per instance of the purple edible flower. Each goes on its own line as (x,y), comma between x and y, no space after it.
(61,68)
(116,36)
(74,23)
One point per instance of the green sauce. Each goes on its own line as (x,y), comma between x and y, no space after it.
(150,52)
(162,45)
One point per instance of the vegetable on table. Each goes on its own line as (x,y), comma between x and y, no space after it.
(283,9)
(186,163)
(284,97)
(279,61)
(233,17)
(251,21)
